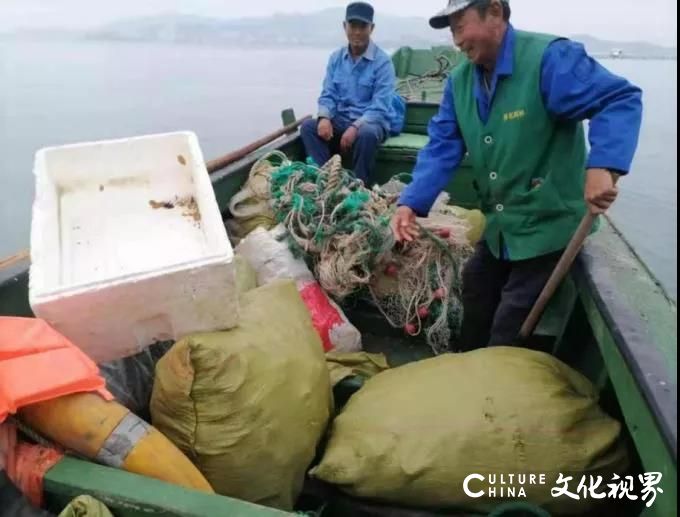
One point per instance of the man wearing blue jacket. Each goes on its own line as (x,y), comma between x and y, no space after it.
(356,106)
(517,106)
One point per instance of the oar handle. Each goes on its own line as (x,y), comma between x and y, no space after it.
(14,259)
(558,274)
(221,162)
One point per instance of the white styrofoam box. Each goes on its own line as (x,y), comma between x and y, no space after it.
(128,245)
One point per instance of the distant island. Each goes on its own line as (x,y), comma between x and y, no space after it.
(318,29)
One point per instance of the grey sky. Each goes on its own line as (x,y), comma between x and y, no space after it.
(626,20)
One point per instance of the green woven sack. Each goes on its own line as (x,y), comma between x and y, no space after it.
(413,434)
(249,405)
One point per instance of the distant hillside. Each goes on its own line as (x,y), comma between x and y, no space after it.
(628,49)
(318,29)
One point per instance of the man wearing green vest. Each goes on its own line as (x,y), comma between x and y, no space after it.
(516,105)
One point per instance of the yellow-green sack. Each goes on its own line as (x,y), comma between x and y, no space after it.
(412,434)
(249,405)
(474,219)
(250,205)
(347,364)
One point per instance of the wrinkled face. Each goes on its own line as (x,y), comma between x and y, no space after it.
(358,34)
(477,36)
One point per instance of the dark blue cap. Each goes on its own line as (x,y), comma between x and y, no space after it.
(359,11)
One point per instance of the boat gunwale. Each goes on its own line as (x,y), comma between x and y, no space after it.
(631,336)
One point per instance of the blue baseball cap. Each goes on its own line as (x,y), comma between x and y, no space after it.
(359,11)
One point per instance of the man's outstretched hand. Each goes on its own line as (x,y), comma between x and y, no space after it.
(404,224)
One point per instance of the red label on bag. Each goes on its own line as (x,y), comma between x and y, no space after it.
(324,315)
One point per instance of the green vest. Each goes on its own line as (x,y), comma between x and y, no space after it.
(529,168)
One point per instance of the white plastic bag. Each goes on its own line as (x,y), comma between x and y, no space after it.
(269,255)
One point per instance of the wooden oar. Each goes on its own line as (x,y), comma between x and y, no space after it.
(220,163)
(558,274)
(13,259)
(212,166)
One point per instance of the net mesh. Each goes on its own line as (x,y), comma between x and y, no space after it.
(343,231)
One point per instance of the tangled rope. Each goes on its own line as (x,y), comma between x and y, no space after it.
(412,85)
(331,217)
(250,207)
(343,229)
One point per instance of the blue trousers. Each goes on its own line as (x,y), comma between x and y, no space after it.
(363,151)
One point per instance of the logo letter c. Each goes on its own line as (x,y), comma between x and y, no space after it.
(466,482)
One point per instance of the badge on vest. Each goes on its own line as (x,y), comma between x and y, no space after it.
(513,115)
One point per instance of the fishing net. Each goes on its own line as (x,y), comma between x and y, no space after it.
(343,231)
